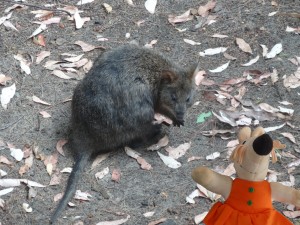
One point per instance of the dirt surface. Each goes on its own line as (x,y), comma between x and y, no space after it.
(161,189)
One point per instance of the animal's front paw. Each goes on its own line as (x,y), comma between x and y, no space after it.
(178,122)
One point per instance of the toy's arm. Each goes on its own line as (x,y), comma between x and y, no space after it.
(212,181)
(282,193)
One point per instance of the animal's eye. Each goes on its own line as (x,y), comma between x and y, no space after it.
(174,98)
(188,99)
(243,142)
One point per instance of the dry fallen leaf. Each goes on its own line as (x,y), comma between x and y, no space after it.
(59,146)
(102,173)
(265,50)
(27,208)
(7,94)
(45,114)
(219,36)
(220,68)
(50,162)
(3,79)
(2,173)
(289,136)
(140,160)
(84,46)
(213,51)
(179,151)
(40,29)
(150,45)
(99,159)
(116,175)
(115,222)
(55,179)
(169,161)
(252,61)
(150,5)
(82,2)
(18,154)
(244,46)
(157,221)
(79,195)
(42,55)
(199,218)
(38,100)
(204,10)
(181,18)
(274,51)
(194,194)
(4,160)
(6,191)
(148,214)
(191,42)
(161,143)
(107,7)
(213,156)
(291,214)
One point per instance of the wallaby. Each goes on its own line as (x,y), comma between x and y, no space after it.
(114,105)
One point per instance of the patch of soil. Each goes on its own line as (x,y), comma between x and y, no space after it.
(161,189)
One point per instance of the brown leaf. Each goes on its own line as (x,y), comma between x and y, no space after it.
(55,178)
(86,47)
(161,143)
(39,40)
(38,100)
(42,55)
(289,136)
(99,159)
(179,151)
(157,221)
(144,164)
(3,79)
(59,146)
(182,18)
(116,175)
(204,10)
(4,160)
(50,162)
(244,46)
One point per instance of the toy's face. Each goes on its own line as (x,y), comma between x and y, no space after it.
(253,167)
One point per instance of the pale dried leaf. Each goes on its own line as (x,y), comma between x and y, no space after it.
(223,117)
(220,68)
(289,136)
(227,56)
(157,221)
(59,146)
(87,66)
(244,121)
(9,25)
(199,77)
(291,29)
(213,156)
(40,29)
(116,175)
(79,195)
(148,214)
(229,170)
(32,193)
(27,208)
(208,194)
(204,10)
(13,7)
(99,159)
(3,79)
(213,51)
(4,160)
(269,129)
(199,218)
(150,5)
(2,204)
(286,110)
(74,58)
(130,2)
(251,62)
(18,154)
(291,214)
(102,173)
(186,16)
(38,100)
(169,161)
(268,108)
(219,36)
(265,50)
(84,46)
(115,222)
(6,191)
(55,179)
(191,42)
(150,45)
(107,7)
(2,173)
(45,114)
(291,82)
(272,13)
(194,194)
(82,2)
(244,46)
(7,94)
(176,153)
(42,55)
(66,170)
(50,21)
(274,51)
(144,164)
(161,143)
(161,118)
(193,158)
(286,103)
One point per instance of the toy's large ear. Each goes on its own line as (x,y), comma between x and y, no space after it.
(244,134)
(263,145)
(258,132)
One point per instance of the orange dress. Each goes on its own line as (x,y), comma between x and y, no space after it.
(249,203)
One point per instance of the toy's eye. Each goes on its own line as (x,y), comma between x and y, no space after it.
(244,142)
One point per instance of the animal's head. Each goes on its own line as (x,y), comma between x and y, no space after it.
(251,156)
(177,91)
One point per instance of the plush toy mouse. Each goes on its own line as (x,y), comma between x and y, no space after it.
(248,198)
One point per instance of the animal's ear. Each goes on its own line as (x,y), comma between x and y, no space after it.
(193,73)
(168,76)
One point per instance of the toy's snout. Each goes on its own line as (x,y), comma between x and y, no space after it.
(263,145)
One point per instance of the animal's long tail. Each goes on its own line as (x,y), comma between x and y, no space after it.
(80,164)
